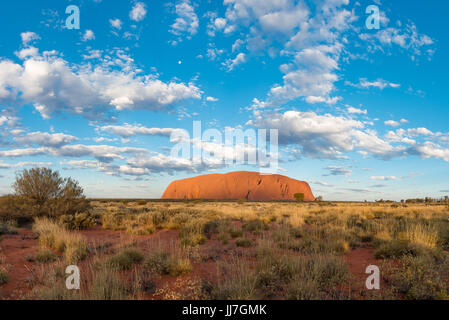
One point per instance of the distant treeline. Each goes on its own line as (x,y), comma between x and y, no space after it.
(429,200)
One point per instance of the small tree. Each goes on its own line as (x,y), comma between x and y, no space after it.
(45,193)
(299,197)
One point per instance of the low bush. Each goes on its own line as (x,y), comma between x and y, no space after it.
(421,278)
(125,259)
(4,277)
(8,227)
(78,221)
(235,233)
(160,263)
(243,242)
(397,248)
(256,225)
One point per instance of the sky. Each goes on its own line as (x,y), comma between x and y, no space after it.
(359,112)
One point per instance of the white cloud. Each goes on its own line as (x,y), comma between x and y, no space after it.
(311,76)
(379,83)
(52,85)
(232,63)
(28,37)
(220,23)
(24,164)
(385,178)
(211,99)
(46,139)
(138,12)
(88,35)
(356,110)
(187,21)
(27,52)
(116,23)
(128,130)
(408,38)
(237,44)
(325,136)
(431,150)
(391,123)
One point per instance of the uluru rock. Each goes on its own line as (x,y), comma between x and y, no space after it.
(238,185)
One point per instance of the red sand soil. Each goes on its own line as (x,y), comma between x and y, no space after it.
(238,185)
(358,260)
(14,249)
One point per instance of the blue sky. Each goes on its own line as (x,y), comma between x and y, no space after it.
(360,113)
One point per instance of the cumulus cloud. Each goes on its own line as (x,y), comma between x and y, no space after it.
(430,150)
(325,136)
(391,123)
(27,52)
(52,85)
(311,75)
(138,12)
(407,38)
(28,37)
(357,111)
(116,23)
(88,35)
(46,139)
(232,63)
(187,21)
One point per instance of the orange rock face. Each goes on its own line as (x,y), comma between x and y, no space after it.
(238,185)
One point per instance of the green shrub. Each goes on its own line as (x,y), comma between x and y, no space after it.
(157,263)
(43,192)
(397,248)
(8,227)
(4,277)
(78,221)
(256,225)
(160,263)
(235,233)
(421,278)
(125,259)
(243,242)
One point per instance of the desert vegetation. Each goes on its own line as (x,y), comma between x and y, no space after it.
(141,249)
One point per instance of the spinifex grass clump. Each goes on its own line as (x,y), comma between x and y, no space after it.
(53,236)
(162,262)
(125,259)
